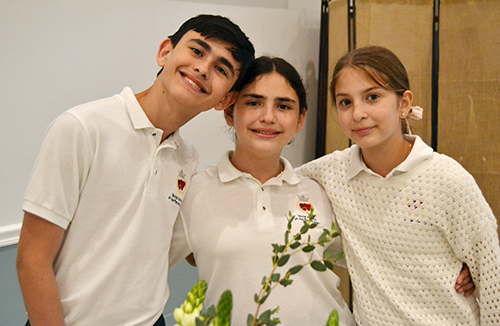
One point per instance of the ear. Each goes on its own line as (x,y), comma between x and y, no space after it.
(406,102)
(165,48)
(300,123)
(226,101)
(228,115)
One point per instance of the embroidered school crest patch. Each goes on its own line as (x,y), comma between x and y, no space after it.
(181,182)
(304,205)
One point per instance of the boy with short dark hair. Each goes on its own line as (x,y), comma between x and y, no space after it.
(109,180)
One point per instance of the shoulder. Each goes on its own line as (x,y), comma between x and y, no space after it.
(202,180)
(106,111)
(330,165)
(446,169)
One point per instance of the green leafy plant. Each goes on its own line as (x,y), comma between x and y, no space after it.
(190,312)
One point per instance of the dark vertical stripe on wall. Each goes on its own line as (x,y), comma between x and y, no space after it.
(351,37)
(351,30)
(435,75)
(322,82)
(351,24)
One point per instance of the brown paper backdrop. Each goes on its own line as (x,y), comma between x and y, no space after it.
(469,76)
(469,91)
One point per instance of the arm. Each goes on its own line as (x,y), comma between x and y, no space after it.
(179,244)
(39,244)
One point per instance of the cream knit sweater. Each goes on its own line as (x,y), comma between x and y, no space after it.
(405,238)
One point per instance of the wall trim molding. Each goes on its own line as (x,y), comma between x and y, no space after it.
(9,234)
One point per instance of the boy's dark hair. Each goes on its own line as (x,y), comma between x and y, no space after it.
(223,29)
(265,65)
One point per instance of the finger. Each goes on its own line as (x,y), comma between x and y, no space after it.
(465,281)
(469,292)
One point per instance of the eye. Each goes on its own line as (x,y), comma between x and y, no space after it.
(252,103)
(221,70)
(283,107)
(196,51)
(342,103)
(373,97)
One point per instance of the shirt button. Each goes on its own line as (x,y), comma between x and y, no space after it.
(262,188)
(264,208)
(154,134)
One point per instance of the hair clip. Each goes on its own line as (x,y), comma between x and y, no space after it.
(416,113)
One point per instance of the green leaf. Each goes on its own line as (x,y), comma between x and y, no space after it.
(313,225)
(256,298)
(283,260)
(333,319)
(295,245)
(295,269)
(286,282)
(339,256)
(263,299)
(308,248)
(287,233)
(328,264)
(275,277)
(318,266)
(264,280)
(224,308)
(327,254)
(250,319)
(304,229)
(211,312)
(265,317)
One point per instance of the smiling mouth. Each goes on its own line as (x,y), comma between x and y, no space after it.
(363,131)
(267,133)
(192,83)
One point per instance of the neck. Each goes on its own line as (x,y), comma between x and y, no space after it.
(383,161)
(261,168)
(163,113)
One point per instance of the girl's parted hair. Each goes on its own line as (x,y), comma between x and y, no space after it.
(378,63)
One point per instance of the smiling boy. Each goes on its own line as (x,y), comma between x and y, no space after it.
(109,180)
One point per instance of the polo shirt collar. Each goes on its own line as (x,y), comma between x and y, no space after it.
(227,172)
(137,115)
(140,120)
(420,152)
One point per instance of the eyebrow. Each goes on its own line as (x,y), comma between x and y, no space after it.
(278,99)
(368,90)
(208,48)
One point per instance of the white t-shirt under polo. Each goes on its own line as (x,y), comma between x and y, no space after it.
(231,221)
(103,175)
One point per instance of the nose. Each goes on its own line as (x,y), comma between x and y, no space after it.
(358,112)
(202,68)
(268,114)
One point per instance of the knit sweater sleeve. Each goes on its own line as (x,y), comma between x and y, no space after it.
(471,230)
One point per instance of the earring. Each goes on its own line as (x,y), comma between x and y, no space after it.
(403,114)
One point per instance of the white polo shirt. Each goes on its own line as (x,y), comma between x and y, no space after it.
(231,221)
(103,175)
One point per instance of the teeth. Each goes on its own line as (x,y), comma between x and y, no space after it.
(193,84)
(266,132)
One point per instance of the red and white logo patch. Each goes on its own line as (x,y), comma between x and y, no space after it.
(181,182)
(304,204)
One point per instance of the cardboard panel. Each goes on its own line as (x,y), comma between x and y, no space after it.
(469,90)
(404,27)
